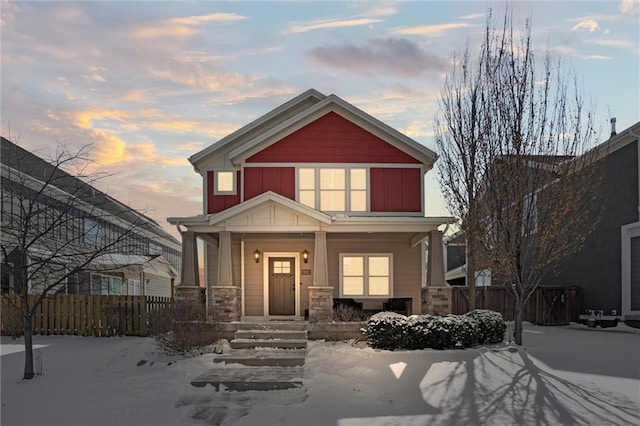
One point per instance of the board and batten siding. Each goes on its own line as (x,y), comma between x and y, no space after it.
(332,139)
(407,263)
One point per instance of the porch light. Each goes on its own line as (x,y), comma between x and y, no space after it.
(256,256)
(305,256)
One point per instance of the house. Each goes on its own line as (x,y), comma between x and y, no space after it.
(73,217)
(314,201)
(607,267)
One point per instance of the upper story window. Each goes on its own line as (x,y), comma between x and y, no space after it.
(333,188)
(225,183)
(91,232)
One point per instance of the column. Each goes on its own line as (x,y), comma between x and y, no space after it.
(320,293)
(320,268)
(435,261)
(189,273)
(225,276)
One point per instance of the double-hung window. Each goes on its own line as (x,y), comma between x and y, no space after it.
(366,275)
(333,189)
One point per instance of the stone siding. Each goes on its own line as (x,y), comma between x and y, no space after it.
(320,304)
(224,304)
(438,300)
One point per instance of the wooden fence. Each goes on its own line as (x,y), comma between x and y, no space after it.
(83,315)
(546,306)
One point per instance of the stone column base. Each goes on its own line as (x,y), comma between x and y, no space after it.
(438,300)
(320,304)
(224,304)
(191,294)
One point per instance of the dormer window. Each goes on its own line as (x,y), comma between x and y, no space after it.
(333,189)
(225,183)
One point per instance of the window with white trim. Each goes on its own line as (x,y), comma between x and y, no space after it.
(224,183)
(366,275)
(336,189)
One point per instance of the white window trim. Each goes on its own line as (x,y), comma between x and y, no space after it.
(347,184)
(366,256)
(234,175)
(628,232)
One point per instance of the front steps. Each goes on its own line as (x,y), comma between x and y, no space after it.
(262,357)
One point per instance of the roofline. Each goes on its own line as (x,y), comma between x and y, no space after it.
(614,143)
(255,145)
(267,197)
(311,93)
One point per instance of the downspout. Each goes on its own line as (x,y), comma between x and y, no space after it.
(242,276)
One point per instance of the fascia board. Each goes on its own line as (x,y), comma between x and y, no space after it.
(311,93)
(612,144)
(333,103)
(189,220)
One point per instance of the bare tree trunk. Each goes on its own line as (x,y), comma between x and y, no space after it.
(28,347)
(471,270)
(519,316)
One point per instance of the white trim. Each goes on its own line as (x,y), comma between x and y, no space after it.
(265,281)
(234,182)
(333,165)
(347,167)
(242,277)
(627,232)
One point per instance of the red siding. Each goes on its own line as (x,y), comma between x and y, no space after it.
(332,139)
(218,203)
(395,190)
(281,180)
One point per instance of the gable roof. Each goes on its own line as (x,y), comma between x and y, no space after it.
(269,197)
(299,112)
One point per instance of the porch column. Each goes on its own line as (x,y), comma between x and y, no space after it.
(225,277)
(320,293)
(435,261)
(189,274)
(320,268)
(225,298)
(189,290)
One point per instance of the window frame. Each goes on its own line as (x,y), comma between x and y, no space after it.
(234,182)
(348,189)
(366,275)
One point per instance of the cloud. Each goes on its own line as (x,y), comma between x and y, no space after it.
(213,17)
(339,23)
(431,30)
(182,27)
(613,43)
(629,7)
(382,10)
(396,56)
(588,24)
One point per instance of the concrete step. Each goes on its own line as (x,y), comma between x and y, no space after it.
(268,343)
(268,357)
(268,325)
(270,334)
(252,378)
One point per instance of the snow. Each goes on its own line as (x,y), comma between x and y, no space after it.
(563,375)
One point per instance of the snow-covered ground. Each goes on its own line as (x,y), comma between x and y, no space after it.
(563,375)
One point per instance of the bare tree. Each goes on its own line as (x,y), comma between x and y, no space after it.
(535,198)
(55,225)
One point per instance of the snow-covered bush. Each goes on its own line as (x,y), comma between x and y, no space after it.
(394,331)
(387,330)
(491,326)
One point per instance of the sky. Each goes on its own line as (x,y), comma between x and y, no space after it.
(150,83)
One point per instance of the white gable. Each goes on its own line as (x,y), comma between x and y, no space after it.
(271,218)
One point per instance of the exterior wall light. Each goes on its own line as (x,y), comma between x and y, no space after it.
(256,256)
(305,256)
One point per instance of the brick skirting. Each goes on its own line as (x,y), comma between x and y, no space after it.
(320,304)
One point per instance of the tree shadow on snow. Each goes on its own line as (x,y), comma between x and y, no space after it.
(509,388)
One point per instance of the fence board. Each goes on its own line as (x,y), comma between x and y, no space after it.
(546,306)
(85,315)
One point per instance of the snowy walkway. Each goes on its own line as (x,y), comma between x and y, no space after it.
(566,375)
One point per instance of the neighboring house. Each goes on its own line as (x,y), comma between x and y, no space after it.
(144,263)
(314,200)
(607,267)
(455,260)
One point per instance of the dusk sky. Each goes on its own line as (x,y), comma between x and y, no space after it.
(150,83)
